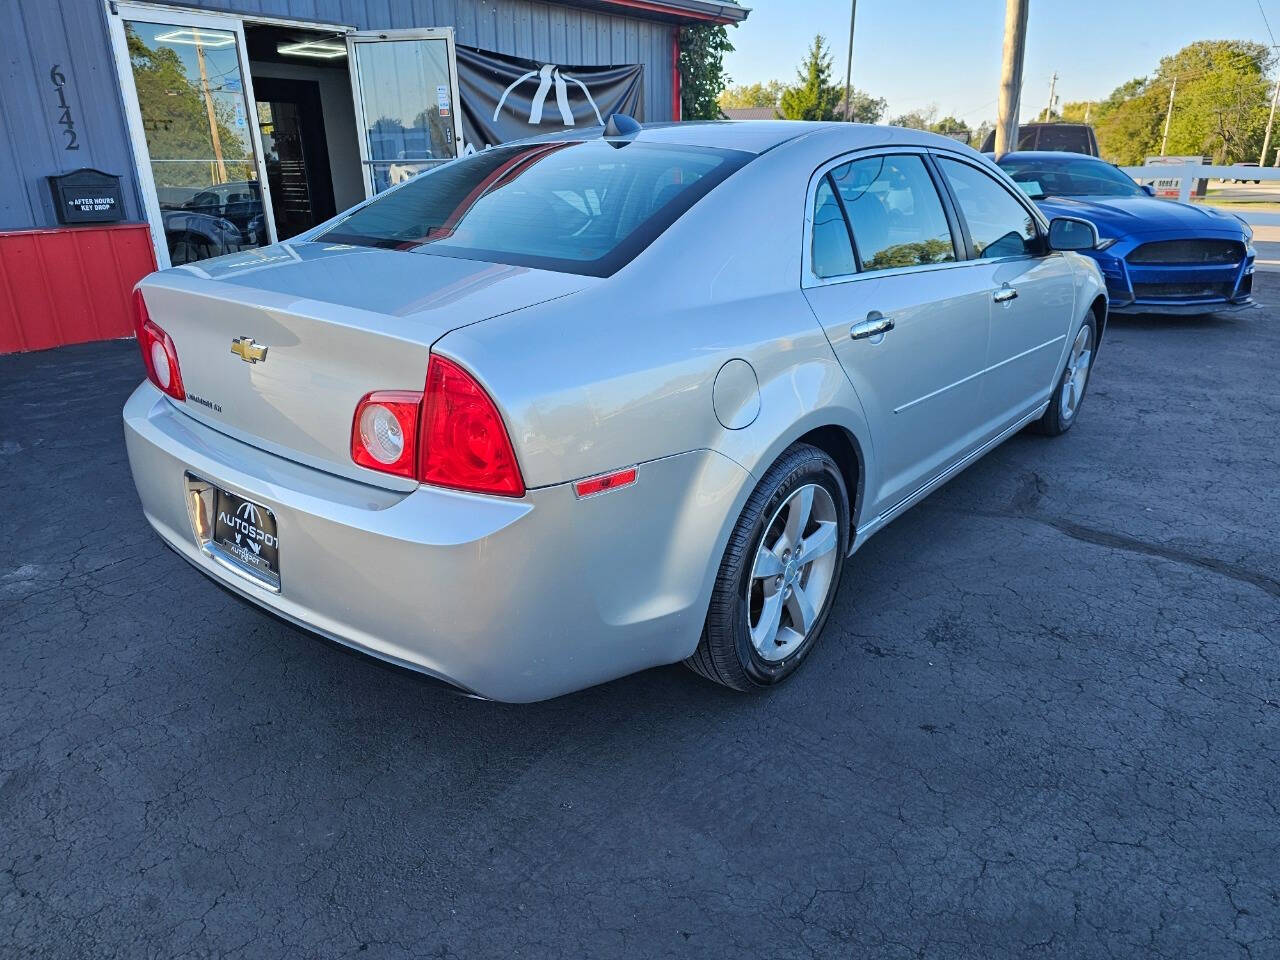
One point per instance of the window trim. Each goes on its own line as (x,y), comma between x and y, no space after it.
(848,224)
(1002,180)
(809,278)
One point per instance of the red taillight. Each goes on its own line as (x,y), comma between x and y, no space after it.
(158,352)
(384,434)
(463,442)
(450,436)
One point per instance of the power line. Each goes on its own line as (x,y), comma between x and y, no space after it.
(1267,24)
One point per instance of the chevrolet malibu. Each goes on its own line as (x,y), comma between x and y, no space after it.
(567,409)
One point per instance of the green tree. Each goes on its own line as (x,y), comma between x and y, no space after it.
(813,97)
(980,132)
(1078,110)
(176,116)
(863,108)
(751,95)
(1219,109)
(702,74)
(950,126)
(911,254)
(921,119)
(1222,98)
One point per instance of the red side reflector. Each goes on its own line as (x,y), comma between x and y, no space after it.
(607,481)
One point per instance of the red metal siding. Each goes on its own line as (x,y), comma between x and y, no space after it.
(71,284)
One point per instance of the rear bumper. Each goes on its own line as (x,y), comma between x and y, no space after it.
(513,600)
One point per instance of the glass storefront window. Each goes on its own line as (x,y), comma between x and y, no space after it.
(194,116)
(405,88)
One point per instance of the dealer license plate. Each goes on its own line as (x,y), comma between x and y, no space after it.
(246,532)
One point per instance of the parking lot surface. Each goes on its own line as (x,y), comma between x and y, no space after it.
(1044,721)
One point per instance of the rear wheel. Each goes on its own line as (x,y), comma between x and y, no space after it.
(1064,405)
(779,574)
(186,247)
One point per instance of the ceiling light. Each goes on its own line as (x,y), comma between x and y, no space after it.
(197,38)
(320,49)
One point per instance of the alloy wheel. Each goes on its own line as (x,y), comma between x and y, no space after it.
(1077,372)
(792,572)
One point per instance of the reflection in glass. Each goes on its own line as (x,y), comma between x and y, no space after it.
(408,108)
(191,97)
(998,224)
(578,206)
(895,212)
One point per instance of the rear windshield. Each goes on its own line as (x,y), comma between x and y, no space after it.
(584,207)
(1070,137)
(1063,136)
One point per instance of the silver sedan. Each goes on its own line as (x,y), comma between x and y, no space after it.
(567,409)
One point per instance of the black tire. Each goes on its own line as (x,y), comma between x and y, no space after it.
(1056,420)
(725,652)
(189,247)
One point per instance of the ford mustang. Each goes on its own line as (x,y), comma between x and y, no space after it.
(566,409)
(1158,256)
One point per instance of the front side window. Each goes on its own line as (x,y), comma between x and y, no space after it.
(999,225)
(895,213)
(584,207)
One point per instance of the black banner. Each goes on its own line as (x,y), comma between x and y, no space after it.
(509,98)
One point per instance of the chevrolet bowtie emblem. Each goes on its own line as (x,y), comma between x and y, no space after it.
(247,350)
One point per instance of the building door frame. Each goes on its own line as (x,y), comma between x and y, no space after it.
(358,37)
(117,12)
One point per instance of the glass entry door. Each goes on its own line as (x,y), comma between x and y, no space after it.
(187,97)
(406,91)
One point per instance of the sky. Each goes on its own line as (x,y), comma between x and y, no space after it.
(915,53)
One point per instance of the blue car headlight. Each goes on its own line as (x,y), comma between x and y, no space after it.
(1104,242)
(1248,230)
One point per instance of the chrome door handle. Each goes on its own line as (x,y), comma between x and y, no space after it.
(871,327)
(1004,294)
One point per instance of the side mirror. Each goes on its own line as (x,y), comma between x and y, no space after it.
(1070,233)
(1149,190)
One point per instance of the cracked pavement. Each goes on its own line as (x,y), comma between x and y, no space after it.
(1043,723)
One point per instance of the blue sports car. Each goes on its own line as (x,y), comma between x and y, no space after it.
(1158,256)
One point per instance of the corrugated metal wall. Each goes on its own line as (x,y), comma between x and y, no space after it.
(36,35)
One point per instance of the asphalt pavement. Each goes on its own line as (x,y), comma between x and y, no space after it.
(1044,722)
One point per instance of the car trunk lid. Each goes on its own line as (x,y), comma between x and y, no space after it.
(337,322)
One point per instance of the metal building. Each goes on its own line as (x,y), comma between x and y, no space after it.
(234,123)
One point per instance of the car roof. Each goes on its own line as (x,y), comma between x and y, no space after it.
(758,136)
(1051,123)
(1047,155)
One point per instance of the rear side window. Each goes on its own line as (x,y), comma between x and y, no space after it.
(832,251)
(895,213)
(998,224)
(575,206)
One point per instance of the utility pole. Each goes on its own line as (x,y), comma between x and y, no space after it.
(1015,44)
(1266,140)
(1053,83)
(1088,106)
(1168,115)
(221,165)
(848,68)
